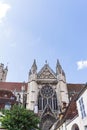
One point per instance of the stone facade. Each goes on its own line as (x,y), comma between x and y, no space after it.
(46,93)
(48,90)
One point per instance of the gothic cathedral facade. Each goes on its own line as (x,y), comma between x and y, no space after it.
(47,93)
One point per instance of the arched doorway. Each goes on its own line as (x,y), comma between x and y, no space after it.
(75,127)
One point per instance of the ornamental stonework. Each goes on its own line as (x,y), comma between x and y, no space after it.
(46,74)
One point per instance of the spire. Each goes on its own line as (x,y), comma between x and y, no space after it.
(34,67)
(63,73)
(60,71)
(58,67)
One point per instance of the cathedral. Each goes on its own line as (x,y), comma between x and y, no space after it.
(47,93)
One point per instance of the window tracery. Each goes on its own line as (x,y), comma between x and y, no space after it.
(39,102)
(47,96)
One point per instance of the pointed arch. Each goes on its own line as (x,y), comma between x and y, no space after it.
(47,96)
(55,104)
(40,102)
(75,127)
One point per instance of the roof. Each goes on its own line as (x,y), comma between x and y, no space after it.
(74,88)
(82,91)
(11,86)
(70,112)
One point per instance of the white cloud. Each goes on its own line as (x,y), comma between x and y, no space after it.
(82,64)
(3,10)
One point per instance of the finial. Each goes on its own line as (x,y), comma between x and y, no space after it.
(34,61)
(58,67)
(34,67)
(58,63)
(34,64)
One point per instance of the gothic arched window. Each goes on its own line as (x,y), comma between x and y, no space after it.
(44,102)
(55,105)
(50,102)
(39,102)
(47,96)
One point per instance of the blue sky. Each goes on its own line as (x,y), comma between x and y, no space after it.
(44,30)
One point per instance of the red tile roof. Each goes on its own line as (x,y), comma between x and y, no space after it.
(70,112)
(74,88)
(11,86)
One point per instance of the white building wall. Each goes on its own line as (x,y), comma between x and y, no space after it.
(73,122)
(84,96)
(81,122)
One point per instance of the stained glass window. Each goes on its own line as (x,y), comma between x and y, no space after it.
(47,96)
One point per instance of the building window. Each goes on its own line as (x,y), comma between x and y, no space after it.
(44,102)
(50,102)
(55,102)
(47,96)
(82,108)
(40,102)
(75,127)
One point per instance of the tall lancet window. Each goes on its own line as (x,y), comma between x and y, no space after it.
(50,102)
(44,102)
(39,102)
(55,105)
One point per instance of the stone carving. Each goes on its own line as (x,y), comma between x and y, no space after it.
(46,74)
